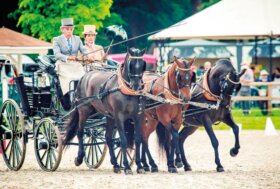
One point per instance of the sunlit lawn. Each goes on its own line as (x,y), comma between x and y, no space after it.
(255,120)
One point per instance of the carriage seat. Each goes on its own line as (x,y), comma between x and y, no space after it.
(47,64)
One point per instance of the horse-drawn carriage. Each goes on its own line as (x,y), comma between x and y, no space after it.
(40,116)
(103,101)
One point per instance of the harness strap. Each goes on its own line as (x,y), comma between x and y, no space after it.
(152,85)
(166,91)
(207,93)
(123,86)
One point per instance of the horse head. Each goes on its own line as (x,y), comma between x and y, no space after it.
(134,67)
(183,75)
(229,79)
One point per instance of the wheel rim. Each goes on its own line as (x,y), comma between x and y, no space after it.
(95,154)
(47,144)
(12,133)
(130,152)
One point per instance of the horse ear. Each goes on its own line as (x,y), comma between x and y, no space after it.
(130,51)
(175,59)
(143,52)
(241,73)
(192,61)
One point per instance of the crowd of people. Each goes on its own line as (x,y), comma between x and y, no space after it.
(246,89)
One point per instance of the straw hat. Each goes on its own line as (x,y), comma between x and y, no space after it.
(67,22)
(263,72)
(89,29)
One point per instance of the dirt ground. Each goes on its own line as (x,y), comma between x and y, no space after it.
(256,166)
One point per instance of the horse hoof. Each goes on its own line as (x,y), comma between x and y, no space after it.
(233,152)
(188,168)
(141,171)
(117,169)
(154,169)
(78,161)
(147,169)
(128,172)
(172,170)
(220,169)
(179,164)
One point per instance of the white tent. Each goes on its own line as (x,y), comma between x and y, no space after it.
(228,19)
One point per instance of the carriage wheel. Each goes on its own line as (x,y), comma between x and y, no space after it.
(47,145)
(12,135)
(130,152)
(95,153)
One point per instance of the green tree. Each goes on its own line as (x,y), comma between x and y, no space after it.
(41,18)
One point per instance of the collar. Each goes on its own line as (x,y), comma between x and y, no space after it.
(207,92)
(123,86)
(166,91)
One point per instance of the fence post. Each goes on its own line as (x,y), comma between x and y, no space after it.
(269,93)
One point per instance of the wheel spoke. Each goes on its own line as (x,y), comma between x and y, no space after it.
(8,145)
(129,156)
(43,156)
(47,159)
(17,152)
(6,129)
(19,148)
(51,160)
(54,155)
(96,152)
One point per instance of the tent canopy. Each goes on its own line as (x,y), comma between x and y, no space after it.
(12,42)
(228,19)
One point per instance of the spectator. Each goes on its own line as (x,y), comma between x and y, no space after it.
(207,65)
(199,72)
(245,90)
(276,74)
(263,90)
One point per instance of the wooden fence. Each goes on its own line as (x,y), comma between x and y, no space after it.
(268,97)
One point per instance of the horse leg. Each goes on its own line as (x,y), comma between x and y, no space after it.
(138,123)
(83,114)
(215,143)
(146,131)
(120,125)
(174,145)
(109,140)
(187,131)
(229,121)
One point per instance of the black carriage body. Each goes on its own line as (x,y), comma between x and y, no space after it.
(33,98)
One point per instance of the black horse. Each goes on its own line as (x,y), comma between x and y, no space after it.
(217,84)
(120,103)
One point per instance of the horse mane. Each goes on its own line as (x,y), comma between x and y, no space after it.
(222,66)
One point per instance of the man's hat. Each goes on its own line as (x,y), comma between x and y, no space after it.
(67,22)
(89,29)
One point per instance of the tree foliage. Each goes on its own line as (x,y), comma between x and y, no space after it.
(42,18)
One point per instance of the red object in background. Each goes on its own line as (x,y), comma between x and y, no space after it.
(11,81)
(149,58)
(4,147)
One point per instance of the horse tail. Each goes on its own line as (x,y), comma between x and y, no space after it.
(163,136)
(71,127)
(129,133)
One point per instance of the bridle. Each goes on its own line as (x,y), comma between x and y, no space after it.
(226,82)
(178,77)
(129,73)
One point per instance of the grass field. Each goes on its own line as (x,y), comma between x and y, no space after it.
(255,120)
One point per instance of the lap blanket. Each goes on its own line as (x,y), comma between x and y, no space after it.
(67,72)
